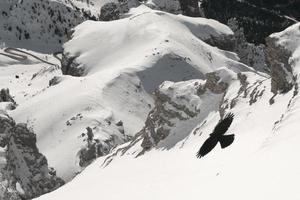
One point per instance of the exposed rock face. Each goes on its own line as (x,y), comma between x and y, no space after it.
(69,66)
(109,12)
(114,10)
(180,102)
(190,8)
(226,42)
(281,71)
(6,97)
(213,83)
(257,22)
(185,7)
(26,169)
(172,6)
(95,148)
(126,5)
(157,123)
(249,54)
(55,80)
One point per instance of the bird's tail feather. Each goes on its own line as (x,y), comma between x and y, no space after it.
(226,140)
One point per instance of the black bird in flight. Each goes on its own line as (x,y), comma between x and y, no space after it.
(218,136)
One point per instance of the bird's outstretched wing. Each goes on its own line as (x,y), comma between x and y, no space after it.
(226,140)
(207,146)
(223,125)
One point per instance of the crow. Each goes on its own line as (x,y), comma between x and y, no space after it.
(218,136)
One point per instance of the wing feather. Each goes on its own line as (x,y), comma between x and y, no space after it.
(223,125)
(207,146)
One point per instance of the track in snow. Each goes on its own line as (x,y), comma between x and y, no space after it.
(18,55)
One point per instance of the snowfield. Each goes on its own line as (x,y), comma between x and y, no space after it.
(124,61)
(148,64)
(261,164)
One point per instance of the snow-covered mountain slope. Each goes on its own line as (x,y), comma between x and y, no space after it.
(123,62)
(262,163)
(161,42)
(37,25)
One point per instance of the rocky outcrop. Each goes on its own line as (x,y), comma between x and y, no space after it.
(224,42)
(213,83)
(69,66)
(114,10)
(190,8)
(55,80)
(109,12)
(257,22)
(177,103)
(26,169)
(6,97)
(185,7)
(95,147)
(281,71)
(249,53)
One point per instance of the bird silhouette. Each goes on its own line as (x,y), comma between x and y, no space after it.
(218,136)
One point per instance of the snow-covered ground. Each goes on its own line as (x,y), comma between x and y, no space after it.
(262,163)
(125,63)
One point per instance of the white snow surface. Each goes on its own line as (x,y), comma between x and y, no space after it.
(125,61)
(262,163)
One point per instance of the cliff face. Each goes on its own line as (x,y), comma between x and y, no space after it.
(26,169)
(183,104)
(8,103)
(281,71)
(190,8)
(282,57)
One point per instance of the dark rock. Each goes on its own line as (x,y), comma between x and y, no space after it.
(281,71)
(90,134)
(119,123)
(109,12)
(160,120)
(257,22)
(25,165)
(249,54)
(213,83)
(55,80)
(69,66)
(94,148)
(6,97)
(190,8)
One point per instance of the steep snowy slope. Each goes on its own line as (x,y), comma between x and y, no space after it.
(122,62)
(262,163)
